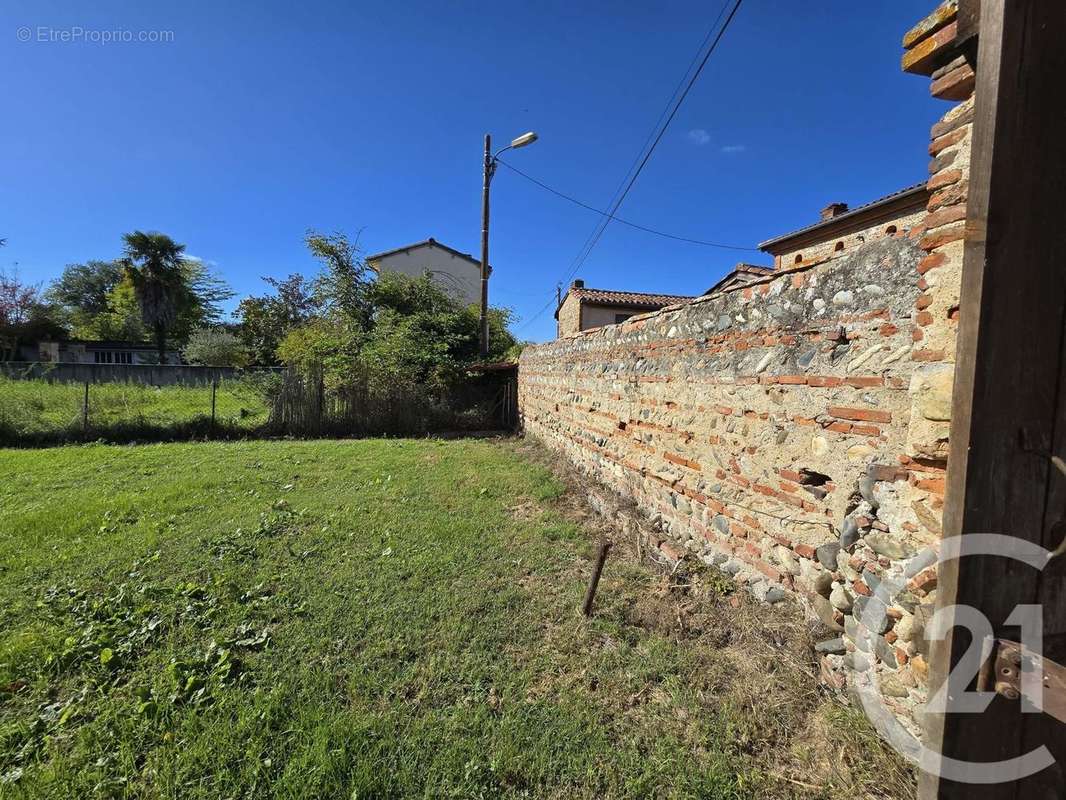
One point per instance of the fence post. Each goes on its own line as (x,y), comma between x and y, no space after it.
(321,399)
(85,410)
(214,389)
(597,570)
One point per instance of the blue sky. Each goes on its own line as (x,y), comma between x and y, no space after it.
(262,119)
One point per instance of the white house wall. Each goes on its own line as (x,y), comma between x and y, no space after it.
(457,275)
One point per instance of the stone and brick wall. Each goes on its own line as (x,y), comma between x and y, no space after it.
(763,429)
(794,432)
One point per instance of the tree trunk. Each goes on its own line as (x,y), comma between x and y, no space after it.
(161,342)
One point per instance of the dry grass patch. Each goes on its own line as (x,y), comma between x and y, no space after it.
(753,666)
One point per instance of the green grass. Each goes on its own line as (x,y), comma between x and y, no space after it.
(36,411)
(360,619)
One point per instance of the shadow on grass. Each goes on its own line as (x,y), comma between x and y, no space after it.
(127,432)
(203,429)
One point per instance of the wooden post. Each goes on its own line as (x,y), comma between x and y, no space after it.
(321,399)
(590,595)
(1009,400)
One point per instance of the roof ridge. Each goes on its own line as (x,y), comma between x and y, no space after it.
(423,243)
(627,291)
(843,217)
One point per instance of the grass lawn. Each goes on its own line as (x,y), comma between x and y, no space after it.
(38,410)
(377,619)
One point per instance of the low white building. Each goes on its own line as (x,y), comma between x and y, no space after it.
(457,273)
(81,351)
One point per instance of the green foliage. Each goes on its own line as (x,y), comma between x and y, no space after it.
(153,263)
(110,299)
(206,293)
(322,343)
(86,287)
(25,315)
(215,347)
(266,320)
(418,334)
(119,320)
(342,288)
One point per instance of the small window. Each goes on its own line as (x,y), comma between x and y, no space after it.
(112,357)
(620,318)
(799,258)
(891,230)
(839,247)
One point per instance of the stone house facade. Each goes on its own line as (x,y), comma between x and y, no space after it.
(583,309)
(842,230)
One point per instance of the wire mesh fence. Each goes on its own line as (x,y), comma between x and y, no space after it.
(39,411)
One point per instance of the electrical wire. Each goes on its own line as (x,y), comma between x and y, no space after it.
(598,231)
(644,228)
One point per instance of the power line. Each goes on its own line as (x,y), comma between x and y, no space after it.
(659,121)
(655,143)
(594,238)
(577,202)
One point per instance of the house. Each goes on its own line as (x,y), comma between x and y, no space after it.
(457,273)
(77,351)
(841,230)
(583,308)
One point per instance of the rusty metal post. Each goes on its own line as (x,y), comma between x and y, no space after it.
(214,389)
(85,410)
(590,595)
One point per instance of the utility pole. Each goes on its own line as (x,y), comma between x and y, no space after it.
(489,169)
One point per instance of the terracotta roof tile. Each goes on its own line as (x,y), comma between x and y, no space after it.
(641,299)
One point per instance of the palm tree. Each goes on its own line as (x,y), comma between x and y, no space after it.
(154,262)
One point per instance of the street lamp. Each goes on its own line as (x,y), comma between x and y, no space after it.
(490,170)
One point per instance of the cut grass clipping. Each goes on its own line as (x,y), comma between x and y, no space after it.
(380,619)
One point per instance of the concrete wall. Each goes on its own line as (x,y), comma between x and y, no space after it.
(457,275)
(151,375)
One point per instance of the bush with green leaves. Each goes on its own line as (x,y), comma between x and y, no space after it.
(215,347)
(418,334)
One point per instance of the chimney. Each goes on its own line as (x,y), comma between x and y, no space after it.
(577,284)
(834,210)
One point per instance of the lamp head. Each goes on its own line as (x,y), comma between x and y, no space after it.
(524,139)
